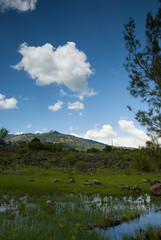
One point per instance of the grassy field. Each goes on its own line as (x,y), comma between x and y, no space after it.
(18,182)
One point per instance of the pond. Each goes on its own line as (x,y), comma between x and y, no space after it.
(25,217)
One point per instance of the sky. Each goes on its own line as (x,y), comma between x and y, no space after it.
(61,68)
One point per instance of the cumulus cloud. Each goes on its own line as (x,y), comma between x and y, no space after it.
(128,126)
(75,105)
(19,133)
(20,5)
(105,134)
(29,126)
(57,106)
(105,131)
(62,92)
(7,103)
(38,132)
(65,65)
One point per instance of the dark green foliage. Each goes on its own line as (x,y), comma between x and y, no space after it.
(148,158)
(108,148)
(3,135)
(144,67)
(92,150)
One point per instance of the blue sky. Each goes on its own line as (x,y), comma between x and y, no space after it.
(62,68)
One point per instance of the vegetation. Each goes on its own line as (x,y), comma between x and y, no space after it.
(143,65)
(68,141)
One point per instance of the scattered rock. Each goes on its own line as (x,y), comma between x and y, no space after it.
(112,221)
(87,184)
(55,181)
(154,182)
(95,181)
(156,189)
(50,202)
(145,180)
(31,180)
(71,181)
(125,188)
(158,233)
(135,188)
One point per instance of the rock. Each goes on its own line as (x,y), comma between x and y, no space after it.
(135,188)
(125,188)
(156,189)
(55,181)
(112,221)
(71,181)
(31,180)
(145,180)
(154,182)
(50,202)
(158,233)
(95,181)
(87,184)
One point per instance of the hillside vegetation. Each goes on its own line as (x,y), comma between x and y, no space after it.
(68,141)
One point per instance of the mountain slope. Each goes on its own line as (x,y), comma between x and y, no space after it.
(68,141)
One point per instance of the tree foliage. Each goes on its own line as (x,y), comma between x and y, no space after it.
(3,135)
(143,63)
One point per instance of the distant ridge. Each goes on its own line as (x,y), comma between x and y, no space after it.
(68,141)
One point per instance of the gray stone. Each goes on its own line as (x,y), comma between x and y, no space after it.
(31,180)
(154,182)
(55,181)
(135,188)
(71,181)
(156,189)
(125,188)
(50,202)
(95,181)
(112,221)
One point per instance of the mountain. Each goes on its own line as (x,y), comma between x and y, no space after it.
(68,141)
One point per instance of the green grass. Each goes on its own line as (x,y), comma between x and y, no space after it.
(17,182)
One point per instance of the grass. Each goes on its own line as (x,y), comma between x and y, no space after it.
(17,182)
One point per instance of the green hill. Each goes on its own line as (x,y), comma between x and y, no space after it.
(68,141)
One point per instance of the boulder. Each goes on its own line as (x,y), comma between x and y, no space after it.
(135,188)
(125,188)
(55,181)
(95,181)
(145,180)
(111,221)
(87,184)
(50,202)
(154,182)
(71,181)
(156,189)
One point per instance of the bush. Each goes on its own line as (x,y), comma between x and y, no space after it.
(81,166)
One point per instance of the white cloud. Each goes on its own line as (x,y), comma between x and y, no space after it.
(38,132)
(57,106)
(105,134)
(128,126)
(29,126)
(105,131)
(80,114)
(21,5)
(7,103)
(75,105)
(63,65)
(19,133)
(62,92)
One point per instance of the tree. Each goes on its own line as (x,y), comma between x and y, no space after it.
(143,63)
(3,135)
